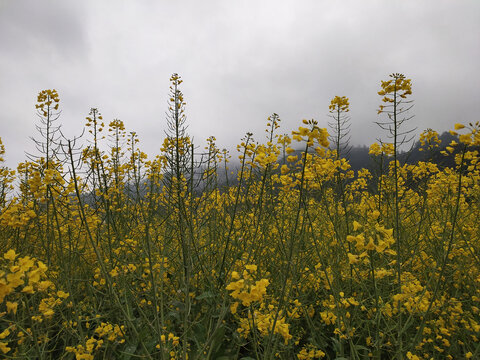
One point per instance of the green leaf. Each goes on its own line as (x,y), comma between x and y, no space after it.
(129,352)
(205,295)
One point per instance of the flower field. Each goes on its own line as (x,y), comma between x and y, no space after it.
(107,254)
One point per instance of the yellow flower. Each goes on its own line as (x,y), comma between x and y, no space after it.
(174,339)
(12,307)
(44,285)
(302,131)
(251,268)
(465,139)
(45,308)
(10,255)
(356,225)
(4,348)
(4,289)
(4,334)
(15,279)
(459,126)
(42,266)
(28,289)
(351,238)
(410,356)
(360,242)
(370,245)
(375,214)
(352,259)
(235,285)
(34,276)
(375,149)
(62,294)
(25,263)
(233,307)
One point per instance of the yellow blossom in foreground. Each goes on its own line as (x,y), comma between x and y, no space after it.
(251,268)
(4,348)
(62,294)
(28,289)
(4,334)
(410,356)
(312,353)
(12,307)
(352,259)
(10,255)
(356,226)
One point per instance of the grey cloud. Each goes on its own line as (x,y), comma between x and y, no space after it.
(34,29)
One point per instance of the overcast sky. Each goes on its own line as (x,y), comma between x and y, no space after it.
(240,61)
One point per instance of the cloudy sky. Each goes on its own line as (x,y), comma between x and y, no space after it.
(240,61)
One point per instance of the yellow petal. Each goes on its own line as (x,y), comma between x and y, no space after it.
(10,255)
(356,225)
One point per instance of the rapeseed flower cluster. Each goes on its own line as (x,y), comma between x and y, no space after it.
(293,256)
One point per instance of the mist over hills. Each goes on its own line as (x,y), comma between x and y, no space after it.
(359,158)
